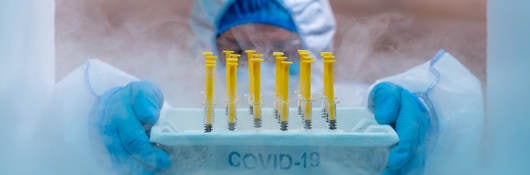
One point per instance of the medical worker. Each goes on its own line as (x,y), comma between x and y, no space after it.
(435,107)
(427,105)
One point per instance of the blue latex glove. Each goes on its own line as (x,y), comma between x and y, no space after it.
(404,111)
(123,118)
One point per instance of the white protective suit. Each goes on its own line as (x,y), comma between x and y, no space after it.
(453,93)
(27,66)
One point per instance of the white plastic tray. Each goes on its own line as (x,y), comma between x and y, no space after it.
(358,146)
(356,127)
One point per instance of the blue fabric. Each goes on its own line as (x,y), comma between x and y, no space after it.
(123,117)
(255,11)
(396,106)
(294,69)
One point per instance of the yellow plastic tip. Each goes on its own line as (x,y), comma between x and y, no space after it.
(210,61)
(231,60)
(228,51)
(210,58)
(250,51)
(327,57)
(277,54)
(309,61)
(258,55)
(207,53)
(304,52)
(236,56)
(326,53)
(305,57)
(287,62)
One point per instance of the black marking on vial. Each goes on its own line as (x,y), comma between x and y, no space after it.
(208,128)
(257,123)
(276,114)
(283,126)
(324,113)
(325,116)
(231,126)
(302,116)
(307,124)
(300,110)
(333,124)
(226,110)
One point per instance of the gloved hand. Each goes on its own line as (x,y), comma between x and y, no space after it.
(123,118)
(404,111)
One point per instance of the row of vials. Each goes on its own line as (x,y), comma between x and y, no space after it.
(281,98)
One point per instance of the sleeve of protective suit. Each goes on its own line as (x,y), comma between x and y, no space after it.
(453,96)
(74,97)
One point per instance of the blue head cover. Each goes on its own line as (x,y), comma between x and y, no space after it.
(255,11)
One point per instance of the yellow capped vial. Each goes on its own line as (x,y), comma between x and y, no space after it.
(210,62)
(284,94)
(329,91)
